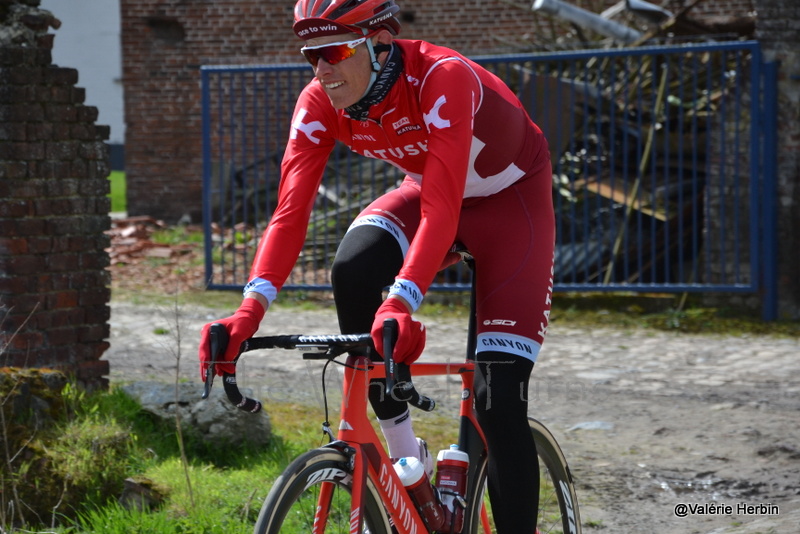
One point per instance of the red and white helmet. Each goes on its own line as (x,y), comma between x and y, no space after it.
(319,18)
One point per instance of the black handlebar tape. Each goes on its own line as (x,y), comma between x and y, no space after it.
(390,328)
(219,337)
(246,404)
(398,375)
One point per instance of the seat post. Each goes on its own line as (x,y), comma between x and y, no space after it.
(472,327)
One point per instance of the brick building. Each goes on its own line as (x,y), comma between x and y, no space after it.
(165,42)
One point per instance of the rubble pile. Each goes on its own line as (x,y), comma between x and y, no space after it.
(147,255)
(132,241)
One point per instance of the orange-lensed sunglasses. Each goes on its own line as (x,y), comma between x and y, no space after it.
(332,53)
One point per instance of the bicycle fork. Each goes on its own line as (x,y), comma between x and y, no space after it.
(358,470)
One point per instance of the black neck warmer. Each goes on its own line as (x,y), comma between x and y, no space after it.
(385,80)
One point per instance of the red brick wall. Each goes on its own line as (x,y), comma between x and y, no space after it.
(53,214)
(165,42)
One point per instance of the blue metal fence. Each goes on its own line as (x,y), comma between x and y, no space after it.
(663,168)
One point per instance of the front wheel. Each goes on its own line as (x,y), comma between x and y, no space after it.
(558,504)
(313,495)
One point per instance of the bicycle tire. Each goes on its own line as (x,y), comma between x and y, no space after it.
(558,503)
(557,469)
(289,507)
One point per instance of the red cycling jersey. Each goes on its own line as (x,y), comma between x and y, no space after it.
(447,123)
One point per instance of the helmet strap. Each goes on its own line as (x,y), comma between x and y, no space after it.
(380,83)
(373,57)
(376,67)
(373,60)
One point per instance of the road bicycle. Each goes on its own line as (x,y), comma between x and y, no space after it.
(350,484)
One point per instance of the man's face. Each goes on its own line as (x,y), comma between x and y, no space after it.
(346,81)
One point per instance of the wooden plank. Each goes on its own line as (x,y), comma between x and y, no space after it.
(619,196)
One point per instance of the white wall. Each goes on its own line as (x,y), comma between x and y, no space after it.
(89,40)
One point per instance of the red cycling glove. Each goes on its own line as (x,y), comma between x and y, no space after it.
(410,333)
(240,326)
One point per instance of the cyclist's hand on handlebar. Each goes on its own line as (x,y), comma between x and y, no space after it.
(410,332)
(240,326)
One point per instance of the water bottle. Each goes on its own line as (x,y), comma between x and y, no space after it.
(413,476)
(451,481)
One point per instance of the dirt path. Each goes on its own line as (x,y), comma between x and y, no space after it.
(648,420)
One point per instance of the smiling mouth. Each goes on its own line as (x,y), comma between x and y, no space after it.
(333,85)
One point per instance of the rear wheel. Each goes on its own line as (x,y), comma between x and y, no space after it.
(294,501)
(558,504)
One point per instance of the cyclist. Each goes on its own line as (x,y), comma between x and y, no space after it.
(477,172)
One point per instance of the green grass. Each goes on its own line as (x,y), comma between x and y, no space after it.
(117,195)
(672,313)
(225,486)
(664,312)
(178,235)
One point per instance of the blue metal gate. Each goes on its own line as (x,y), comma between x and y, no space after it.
(663,159)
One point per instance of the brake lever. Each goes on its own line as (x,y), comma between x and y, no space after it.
(218,335)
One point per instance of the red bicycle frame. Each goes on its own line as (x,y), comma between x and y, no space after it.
(368,455)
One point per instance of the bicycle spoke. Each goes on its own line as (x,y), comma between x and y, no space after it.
(549,520)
